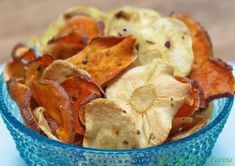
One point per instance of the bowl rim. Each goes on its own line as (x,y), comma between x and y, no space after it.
(7,115)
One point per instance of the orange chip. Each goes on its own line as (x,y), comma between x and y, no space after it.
(34,70)
(55,100)
(14,70)
(80,89)
(17,91)
(215,78)
(202,46)
(199,102)
(23,97)
(63,47)
(84,24)
(106,57)
(23,53)
(185,126)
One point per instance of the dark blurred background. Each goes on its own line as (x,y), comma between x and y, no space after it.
(22,19)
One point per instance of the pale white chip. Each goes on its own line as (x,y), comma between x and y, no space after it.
(151,96)
(173,40)
(129,16)
(108,126)
(165,37)
(60,70)
(42,122)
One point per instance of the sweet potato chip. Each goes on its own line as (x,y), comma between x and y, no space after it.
(84,24)
(24,99)
(106,57)
(215,78)
(54,98)
(63,47)
(77,83)
(14,70)
(34,70)
(202,46)
(17,91)
(185,126)
(80,88)
(26,103)
(199,102)
(180,124)
(23,53)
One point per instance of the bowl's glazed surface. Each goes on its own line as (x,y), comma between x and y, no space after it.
(39,150)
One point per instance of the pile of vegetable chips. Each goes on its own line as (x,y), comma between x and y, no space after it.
(126,79)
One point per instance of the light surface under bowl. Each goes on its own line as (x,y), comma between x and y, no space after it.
(39,150)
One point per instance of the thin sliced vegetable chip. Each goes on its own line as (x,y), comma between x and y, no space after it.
(108,126)
(74,36)
(42,122)
(23,53)
(77,83)
(54,98)
(106,57)
(27,112)
(83,24)
(17,91)
(60,70)
(80,89)
(202,46)
(61,22)
(186,126)
(24,99)
(215,78)
(199,101)
(151,96)
(63,47)
(129,17)
(14,70)
(34,70)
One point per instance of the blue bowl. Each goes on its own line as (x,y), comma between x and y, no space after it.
(36,149)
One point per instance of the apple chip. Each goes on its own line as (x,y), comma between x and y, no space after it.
(108,126)
(199,102)
(215,77)
(106,57)
(42,122)
(202,46)
(185,126)
(34,69)
(151,96)
(55,100)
